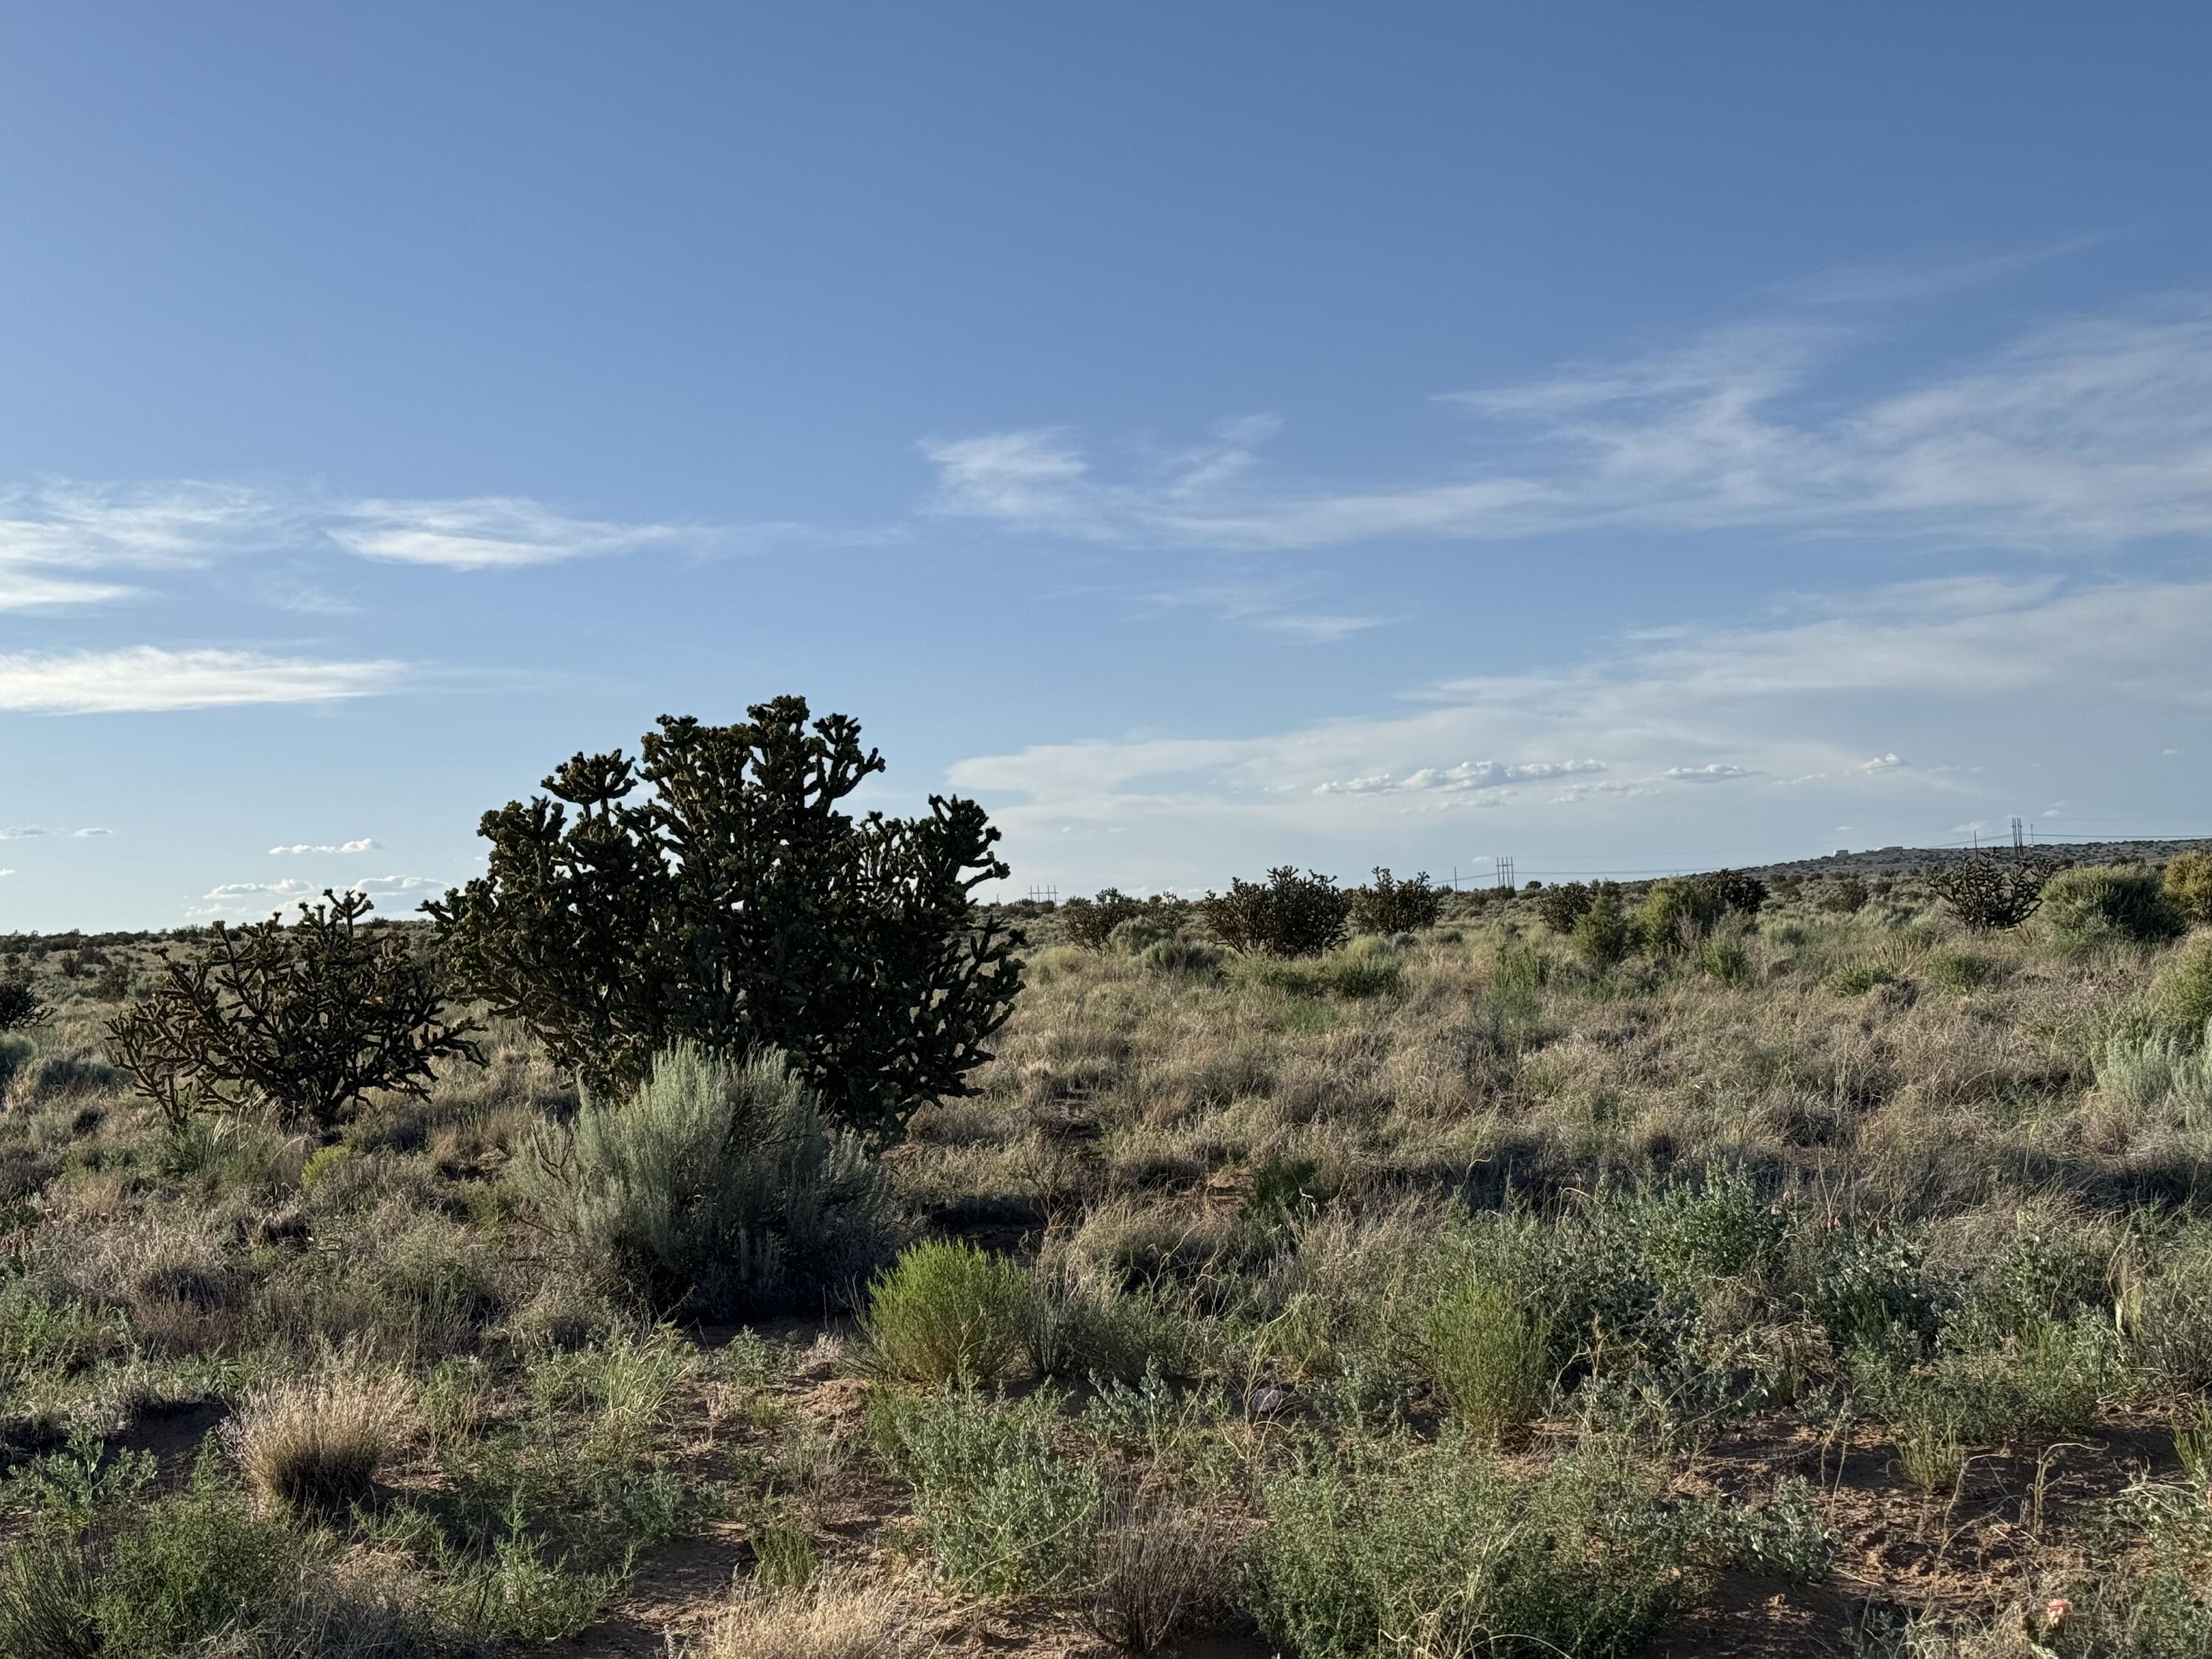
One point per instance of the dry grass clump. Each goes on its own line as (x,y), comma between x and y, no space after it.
(1156,1567)
(315,1444)
(837,1616)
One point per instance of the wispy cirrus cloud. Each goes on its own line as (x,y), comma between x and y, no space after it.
(64,541)
(1467,776)
(2084,430)
(490,533)
(149,678)
(299,847)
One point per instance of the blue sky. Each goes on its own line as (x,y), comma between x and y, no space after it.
(1620,438)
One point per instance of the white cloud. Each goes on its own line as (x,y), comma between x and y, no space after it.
(396,886)
(89,831)
(1466,775)
(146,677)
(1993,666)
(55,536)
(488,532)
(2085,430)
(7,872)
(260,899)
(363,845)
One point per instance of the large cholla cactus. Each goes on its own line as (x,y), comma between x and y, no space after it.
(715,893)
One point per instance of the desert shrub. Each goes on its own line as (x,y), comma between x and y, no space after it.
(1675,913)
(946,1310)
(2158,1070)
(714,1182)
(1389,906)
(715,893)
(1002,1510)
(315,1444)
(1353,975)
(2094,902)
(1844,896)
(1856,979)
(1724,957)
(2050,1379)
(1989,892)
(1959,970)
(1286,915)
(16,1052)
(1404,1549)
(1091,921)
(2182,999)
(1603,934)
(1562,906)
(113,981)
(2187,883)
(1138,934)
(835,1616)
(20,1005)
(2169,1314)
(1873,1292)
(1189,957)
(1736,893)
(191,1564)
(306,1021)
(1073,1326)
(1782,1538)
(1490,1357)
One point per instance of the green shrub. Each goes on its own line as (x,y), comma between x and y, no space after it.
(2182,997)
(1959,970)
(1724,957)
(1489,1357)
(2096,903)
(946,1310)
(1286,915)
(1563,906)
(1736,893)
(1389,906)
(1138,934)
(1844,896)
(189,1564)
(1349,973)
(1603,934)
(1001,1509)
(1855,979)
(1188,957)
(1091,921)
(2159,1071)
(1401,1548)
(1675,913)
(16,1052)
(713,893)
(2188,885)
(714,1183)
(2169,1316)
